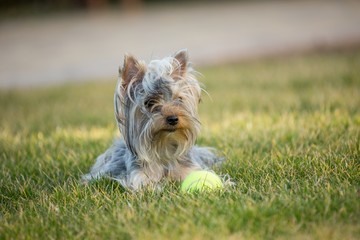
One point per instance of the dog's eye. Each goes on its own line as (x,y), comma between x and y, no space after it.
(180,99)
(150,103)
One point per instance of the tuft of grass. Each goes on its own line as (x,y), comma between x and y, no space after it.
(289,128)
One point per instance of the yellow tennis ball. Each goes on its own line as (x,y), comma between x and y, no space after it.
(200,181)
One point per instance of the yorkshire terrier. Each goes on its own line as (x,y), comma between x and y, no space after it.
(156,109)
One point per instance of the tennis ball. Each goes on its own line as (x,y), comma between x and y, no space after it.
(200,181)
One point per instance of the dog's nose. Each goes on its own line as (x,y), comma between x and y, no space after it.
(172,120)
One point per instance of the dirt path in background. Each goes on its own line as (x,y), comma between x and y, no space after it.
(77,47)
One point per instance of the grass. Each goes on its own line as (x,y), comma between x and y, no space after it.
(289,128)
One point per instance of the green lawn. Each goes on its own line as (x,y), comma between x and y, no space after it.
(289,128)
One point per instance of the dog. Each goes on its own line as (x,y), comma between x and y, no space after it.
(156,109)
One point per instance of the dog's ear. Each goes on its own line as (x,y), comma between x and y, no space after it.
(133,70)
(180,64)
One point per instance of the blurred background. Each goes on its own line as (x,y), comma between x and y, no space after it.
(50,42)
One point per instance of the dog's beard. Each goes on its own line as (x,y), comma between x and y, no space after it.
(170,145)
(155,140)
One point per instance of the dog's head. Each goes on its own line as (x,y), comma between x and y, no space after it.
(156,107)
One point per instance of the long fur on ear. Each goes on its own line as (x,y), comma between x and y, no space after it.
(181,63)
(133,70)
